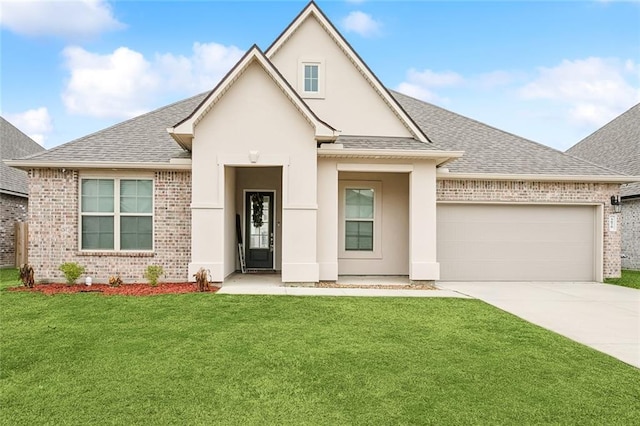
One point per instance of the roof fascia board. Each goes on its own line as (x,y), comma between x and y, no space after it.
(538,178)
(26,165)
(441,157)
(14,193)
(183,131)
(313,9)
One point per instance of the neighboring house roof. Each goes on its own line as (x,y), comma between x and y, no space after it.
(488,150)
(14,144)
(616,145)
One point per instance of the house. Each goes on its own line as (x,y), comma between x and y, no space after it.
(321,171)
(617,146)
(14,188)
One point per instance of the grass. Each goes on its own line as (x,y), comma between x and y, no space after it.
(628,279)
(216,359)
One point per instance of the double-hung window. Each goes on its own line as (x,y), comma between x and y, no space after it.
(360,227)
(116,214)
(359,219)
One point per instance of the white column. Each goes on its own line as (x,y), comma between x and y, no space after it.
(422,223)
(328,219)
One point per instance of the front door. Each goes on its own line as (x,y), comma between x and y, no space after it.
(259,207)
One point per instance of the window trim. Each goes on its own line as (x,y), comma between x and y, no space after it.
(376,186)
(116,214)
(319,62)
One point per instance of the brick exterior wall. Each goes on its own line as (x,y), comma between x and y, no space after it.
(543,192)
(54,229)
(12,209)
(631,234)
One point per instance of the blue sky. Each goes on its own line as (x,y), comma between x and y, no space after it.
(550,71)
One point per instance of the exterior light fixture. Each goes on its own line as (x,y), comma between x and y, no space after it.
(615,203)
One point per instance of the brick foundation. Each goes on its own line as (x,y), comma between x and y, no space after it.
(53,229)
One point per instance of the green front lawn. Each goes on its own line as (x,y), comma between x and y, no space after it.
(628,279)
(217,359)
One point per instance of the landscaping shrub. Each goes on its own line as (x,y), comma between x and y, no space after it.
(26,275)
(115,281)
(71,271)
(202,280)
(152,274)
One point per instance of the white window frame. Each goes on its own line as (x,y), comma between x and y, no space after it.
(319,62)
(376,186)
(116,211)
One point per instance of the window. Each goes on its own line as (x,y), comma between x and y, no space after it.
(360,227)
(116,214)
(311,78)
(359,219)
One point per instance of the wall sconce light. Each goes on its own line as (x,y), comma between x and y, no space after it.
(615,203)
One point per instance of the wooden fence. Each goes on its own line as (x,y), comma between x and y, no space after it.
(22,243)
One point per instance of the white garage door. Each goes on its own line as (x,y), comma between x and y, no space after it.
(495,242)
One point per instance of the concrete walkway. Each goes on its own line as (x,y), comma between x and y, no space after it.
(602,316)
(270,284)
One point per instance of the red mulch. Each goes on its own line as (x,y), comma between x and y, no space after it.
(123,290)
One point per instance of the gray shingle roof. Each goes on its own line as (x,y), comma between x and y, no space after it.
(142,139)
(487,149)
(490,150)
(14,144)
(616,145)
(382,143)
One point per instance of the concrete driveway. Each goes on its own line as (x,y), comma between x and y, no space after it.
(602,316)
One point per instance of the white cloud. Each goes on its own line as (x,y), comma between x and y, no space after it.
(35,123)
(67,19)
(119,84)
(203,70)
(420,84)
(361,23)
(592,90)
(124,83)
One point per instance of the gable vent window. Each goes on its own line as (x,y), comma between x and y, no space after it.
(311,78)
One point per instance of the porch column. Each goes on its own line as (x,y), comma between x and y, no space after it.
(328,219)
(207,219)
(422,223)
(300,221)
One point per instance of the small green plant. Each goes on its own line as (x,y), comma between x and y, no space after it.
(152,274)
(115,281)
(71,271)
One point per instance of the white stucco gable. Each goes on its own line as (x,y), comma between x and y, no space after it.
(184,131)
(349,95)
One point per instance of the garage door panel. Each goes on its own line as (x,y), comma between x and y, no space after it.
(498,251)
(516,242)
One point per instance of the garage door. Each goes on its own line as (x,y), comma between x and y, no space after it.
(516,242)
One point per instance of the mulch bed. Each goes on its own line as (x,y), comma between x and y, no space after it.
(123,290)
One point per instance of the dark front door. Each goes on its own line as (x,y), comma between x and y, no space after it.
(259,229)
